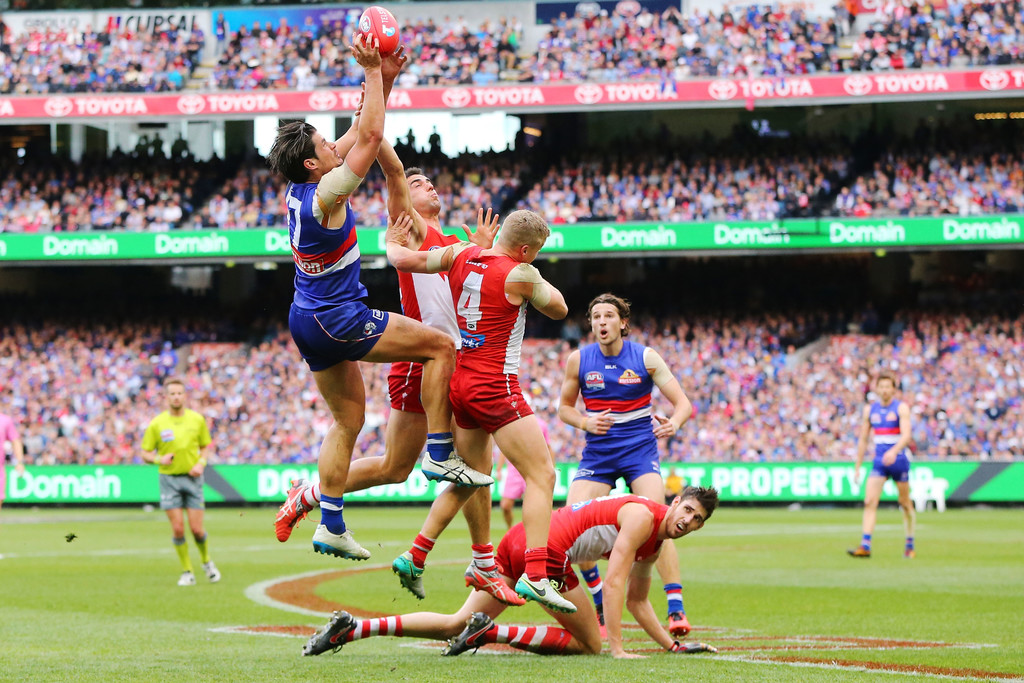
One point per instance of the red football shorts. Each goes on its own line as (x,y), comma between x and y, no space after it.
(511,560)
(404,384)
(487,402)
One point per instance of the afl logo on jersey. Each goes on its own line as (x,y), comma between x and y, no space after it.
(629,377)
(875,418)
(594,380)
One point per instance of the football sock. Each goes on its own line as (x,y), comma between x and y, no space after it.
(594,584)
(420,547)
(537,563)
(311,496)
(331,509)
(865,541)
(549,640)
(204,552)
(439,446)
(182,549)
(483,557)
(385,626)
(674,593)
(910,542)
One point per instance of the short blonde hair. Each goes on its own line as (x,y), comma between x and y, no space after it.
(524,227)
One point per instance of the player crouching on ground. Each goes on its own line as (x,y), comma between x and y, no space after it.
(627,530)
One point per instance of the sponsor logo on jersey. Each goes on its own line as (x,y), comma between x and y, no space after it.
(629,377)
(594,380)
(584,503)
(167,435)
(611,367)
(891,415)
(471,341)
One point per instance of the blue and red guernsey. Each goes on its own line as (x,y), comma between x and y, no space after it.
(622,385)
(885,425)
(326,261)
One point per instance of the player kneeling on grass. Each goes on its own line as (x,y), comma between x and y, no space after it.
(627,530)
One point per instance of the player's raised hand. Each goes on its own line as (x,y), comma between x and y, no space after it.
(665,427)
(392,65)
(600,423)
(365,50)
(398,229)
(486,229)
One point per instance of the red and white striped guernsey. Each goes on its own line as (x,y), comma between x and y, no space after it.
(426,296)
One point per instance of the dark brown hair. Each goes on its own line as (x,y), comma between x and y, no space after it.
(705,495)
(292,146)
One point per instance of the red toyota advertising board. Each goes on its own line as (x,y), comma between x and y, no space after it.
(880,86)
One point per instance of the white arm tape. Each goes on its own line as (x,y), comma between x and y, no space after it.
(653,360)
(435,257)
(339,182)
(525,272)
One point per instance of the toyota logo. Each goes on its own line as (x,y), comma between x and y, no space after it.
(994,79)
(722,89)
(58,106)
(588,94)
(857,85)
(323,100)
(456,98)
(191,104)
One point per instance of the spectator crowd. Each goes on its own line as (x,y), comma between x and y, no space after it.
(84,393)
(631,43)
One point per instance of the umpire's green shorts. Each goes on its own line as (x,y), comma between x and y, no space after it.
(181,491)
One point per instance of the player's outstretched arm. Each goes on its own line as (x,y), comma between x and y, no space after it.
(639,605)
(408,261)
(371,117)
(399,197)
(635,525)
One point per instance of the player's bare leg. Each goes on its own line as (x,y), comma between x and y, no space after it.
(342,388)
(507,506)
(909,517)
(405,434)
(873,492)
(406,339)
(579,491)
(652,486)
(578,633)
(523,444)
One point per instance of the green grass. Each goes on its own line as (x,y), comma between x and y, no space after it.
(105,606)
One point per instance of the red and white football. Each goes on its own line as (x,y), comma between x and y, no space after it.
(377,21)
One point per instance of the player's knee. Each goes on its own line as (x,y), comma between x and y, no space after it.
(440,346)
(591,645)
(396,472)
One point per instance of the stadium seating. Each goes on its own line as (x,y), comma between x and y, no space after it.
(83,393)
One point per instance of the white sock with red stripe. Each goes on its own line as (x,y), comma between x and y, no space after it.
(366,628)
(311,496)
(483,557)
(545,640)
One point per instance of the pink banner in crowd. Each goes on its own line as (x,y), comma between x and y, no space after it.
(890,85)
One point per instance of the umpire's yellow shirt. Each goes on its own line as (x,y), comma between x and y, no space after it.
(183,436)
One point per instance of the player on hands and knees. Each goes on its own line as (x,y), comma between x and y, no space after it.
(330,324)
(616,378)
(888,421)
(491,289)
(628,531)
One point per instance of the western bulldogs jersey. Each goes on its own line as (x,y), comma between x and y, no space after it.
(622,385)
(491,328)
(587,531)
(885,426)
(326,261)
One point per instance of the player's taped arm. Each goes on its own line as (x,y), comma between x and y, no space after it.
(657,367)
(525,272)
(332,190)
(439,260)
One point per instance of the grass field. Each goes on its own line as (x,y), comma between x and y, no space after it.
(772,588)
